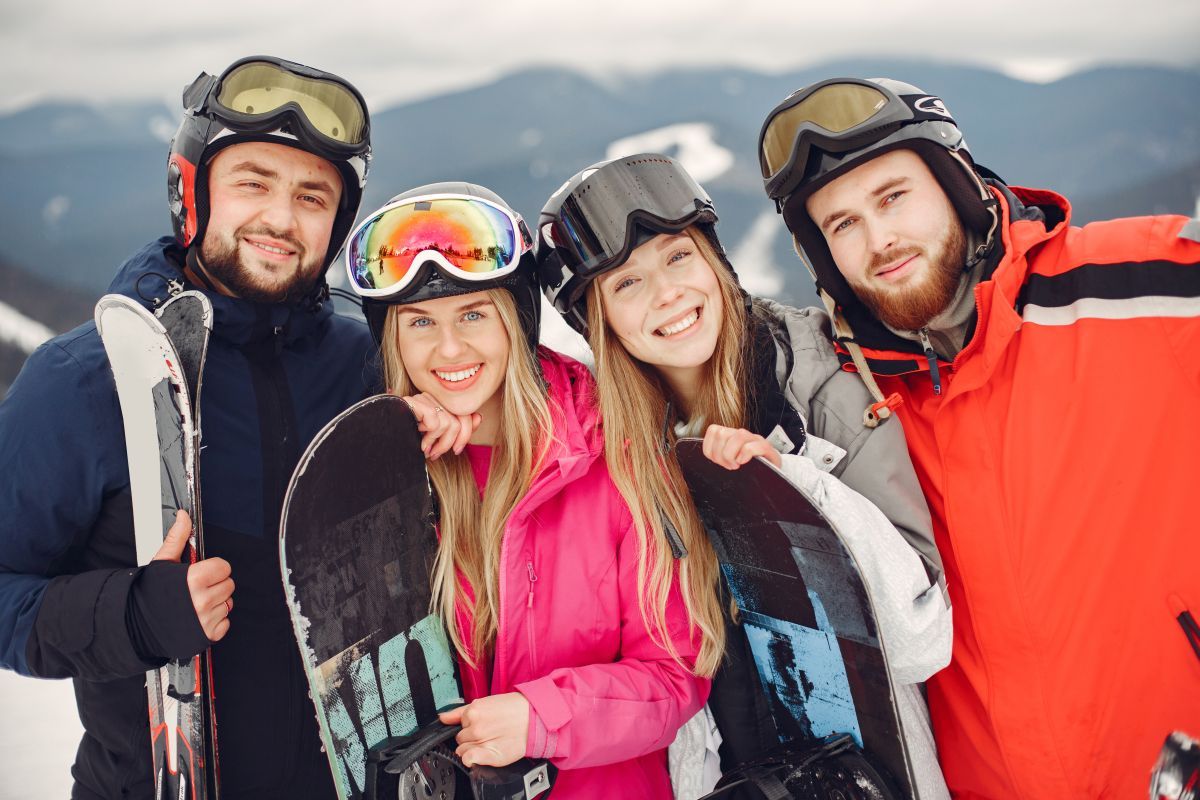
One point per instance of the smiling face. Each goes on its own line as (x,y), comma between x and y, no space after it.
(664,305)
(455,349)
(894,236)
(271,212)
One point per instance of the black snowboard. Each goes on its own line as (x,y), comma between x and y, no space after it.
(356,547)
(804,607)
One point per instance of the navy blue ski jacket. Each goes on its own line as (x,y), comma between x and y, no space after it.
(73,602)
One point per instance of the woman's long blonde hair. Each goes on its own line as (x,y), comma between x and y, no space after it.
(472,529)
(633,402)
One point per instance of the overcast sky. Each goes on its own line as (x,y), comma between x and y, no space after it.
(400,49)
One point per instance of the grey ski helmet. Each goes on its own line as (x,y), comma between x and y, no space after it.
(268,99)
(427,274)
(605,212)
(822,131)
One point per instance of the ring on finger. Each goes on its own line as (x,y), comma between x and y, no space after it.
(228,605)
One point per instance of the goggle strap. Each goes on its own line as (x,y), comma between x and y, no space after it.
(195,93)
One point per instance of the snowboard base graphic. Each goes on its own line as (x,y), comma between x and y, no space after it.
(357,546)
(804,608)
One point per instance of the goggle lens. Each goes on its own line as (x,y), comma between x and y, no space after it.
(476,238)
(836,108)
(260,88)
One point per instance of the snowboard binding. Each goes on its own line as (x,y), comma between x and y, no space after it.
(390,763)
(831,767)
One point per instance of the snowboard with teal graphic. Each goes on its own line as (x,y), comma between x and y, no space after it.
(806,612)
(356,548)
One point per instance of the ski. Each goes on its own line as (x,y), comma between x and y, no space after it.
(160,440)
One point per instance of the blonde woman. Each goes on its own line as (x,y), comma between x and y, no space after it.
(628,253)
(578,640)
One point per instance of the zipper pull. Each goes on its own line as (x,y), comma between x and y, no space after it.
(931,356)
(532,581)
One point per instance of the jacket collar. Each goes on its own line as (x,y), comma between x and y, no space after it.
(145,276)
(578,437)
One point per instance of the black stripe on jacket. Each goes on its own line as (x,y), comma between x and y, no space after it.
(1121,281)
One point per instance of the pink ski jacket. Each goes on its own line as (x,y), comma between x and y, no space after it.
(605,699)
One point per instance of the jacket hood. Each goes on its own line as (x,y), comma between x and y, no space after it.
(1029,217)
(575,424)
(574,407)
(145,275)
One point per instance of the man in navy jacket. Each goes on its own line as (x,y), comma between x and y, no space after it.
(262,199)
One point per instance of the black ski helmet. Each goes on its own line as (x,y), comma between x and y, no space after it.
(268,99)
(824,130)
(603,213)
(430,281)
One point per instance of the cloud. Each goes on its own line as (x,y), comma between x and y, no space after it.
(137,48)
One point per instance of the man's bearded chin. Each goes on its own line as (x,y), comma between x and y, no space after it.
(910,308)
(222,259)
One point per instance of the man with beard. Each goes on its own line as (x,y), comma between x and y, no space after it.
(265,177)
(1043,375)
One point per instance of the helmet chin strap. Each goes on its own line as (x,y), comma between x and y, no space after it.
(196,270)
(989,203)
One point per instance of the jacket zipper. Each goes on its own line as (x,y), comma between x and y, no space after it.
(931,356)
(529,616)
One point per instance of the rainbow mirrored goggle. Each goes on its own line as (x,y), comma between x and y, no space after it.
(471,239)
(836,116)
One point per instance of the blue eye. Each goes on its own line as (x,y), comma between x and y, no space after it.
(679,255)
(473,316)
(623,283)
(420,322)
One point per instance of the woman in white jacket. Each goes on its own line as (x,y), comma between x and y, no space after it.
(628,254)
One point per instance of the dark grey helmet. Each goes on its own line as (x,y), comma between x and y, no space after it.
(823,131)
(603,213)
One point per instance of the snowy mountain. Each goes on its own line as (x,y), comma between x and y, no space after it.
(85,186)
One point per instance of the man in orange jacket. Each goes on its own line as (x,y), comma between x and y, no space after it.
(1046,376)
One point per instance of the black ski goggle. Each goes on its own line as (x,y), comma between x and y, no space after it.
(835,116)
(594,229)
(263,93)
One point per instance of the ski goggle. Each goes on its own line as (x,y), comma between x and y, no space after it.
(594,228)
(835,116)
(262,93)
(471,239)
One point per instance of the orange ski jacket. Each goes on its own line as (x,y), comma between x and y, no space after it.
(1060,461)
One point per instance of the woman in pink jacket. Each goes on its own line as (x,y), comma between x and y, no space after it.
(578,640)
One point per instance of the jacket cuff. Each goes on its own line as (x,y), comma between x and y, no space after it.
(81,630)
(160,617)
(548,713)
(538,744)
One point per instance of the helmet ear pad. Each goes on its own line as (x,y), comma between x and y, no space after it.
(957,178)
